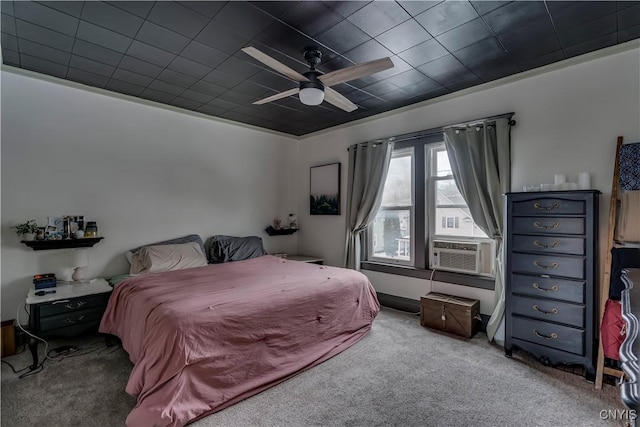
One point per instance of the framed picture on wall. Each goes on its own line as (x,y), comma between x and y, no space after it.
(324,193)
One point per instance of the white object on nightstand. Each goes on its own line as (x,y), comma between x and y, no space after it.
(71,290)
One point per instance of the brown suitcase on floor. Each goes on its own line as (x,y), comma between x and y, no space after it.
(460,316)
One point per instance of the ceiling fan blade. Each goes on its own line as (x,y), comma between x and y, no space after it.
(272,63)
(334,98)
(356,71)
(278,96)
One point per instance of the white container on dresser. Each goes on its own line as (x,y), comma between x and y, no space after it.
(551,275)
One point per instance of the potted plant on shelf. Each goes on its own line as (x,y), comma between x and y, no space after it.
(28,230)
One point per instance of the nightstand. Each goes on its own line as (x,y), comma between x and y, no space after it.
(75,308)
(306,258)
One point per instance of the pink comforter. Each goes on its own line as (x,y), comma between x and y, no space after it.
(205,338)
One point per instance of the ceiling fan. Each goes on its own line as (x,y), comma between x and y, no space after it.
(314,86)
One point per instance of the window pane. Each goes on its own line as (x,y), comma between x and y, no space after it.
(397,189)
(456,222)
(392,234)
(443,168)
(447,193)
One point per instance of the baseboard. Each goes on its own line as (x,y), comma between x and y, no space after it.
(413,306)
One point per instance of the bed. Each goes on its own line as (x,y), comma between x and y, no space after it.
(204,338)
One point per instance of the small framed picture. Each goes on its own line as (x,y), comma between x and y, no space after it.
(325,190)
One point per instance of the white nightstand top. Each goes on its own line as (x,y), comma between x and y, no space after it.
(71,290)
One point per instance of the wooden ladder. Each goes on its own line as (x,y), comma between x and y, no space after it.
(606,274)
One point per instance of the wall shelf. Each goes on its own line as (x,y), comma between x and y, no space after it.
(280,232)
(41,245)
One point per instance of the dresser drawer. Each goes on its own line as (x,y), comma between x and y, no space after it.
(548,287)
(550,310)
(548,334)
(553,265)
(549,206)
(91,315)
(551,244)
(547,225)
(72,305)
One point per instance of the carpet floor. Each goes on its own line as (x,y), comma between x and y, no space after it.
(400,374)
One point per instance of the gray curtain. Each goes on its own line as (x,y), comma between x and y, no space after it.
(368,167)
(480,158)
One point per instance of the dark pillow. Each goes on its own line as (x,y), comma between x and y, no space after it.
(230,248)
(185,239)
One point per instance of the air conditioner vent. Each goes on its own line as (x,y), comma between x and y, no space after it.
(456,256)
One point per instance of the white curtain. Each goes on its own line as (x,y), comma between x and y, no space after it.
(367,173)
(480,160)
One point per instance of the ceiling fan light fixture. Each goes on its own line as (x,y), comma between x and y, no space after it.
(311,93)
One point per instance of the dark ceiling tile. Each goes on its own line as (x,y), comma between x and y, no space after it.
(539,61)
(139,8)
(176,78)
(238,68)
(274,8)
(237,97)
(591,45)
(415,8)
(272,81)
(43,66)
(284,40)
(464,83)
(162,38)
(311,17)
(446,15)
(249,88)
(110,17)
(86,77)
(206,8)
(443,65)
(150,54)
(73,8)
(103,37)
(208,88)
(380,88)
(212,110)
(422,87)
(629,17)
(138,66)
(221,103)
(186,103)
(494,68)
(224,80)
(204,54)
(528,41)
(177,18)
(166,87)
(623,4)
(131,77)
(480,52)
(7,7)
(403,36)
(196,96)
(243,18)
(222,38)
(514,14)
(46,17)
(423,53)
(187,66)
(97,53)
(43,52)
(629,34)
(156,95)
(10,57)
(378,17)
(335,64)
(43,36)
(10,42)
(92,66)
(124,87)
(8,24)
(407,78)
(343,36)
(589,31)
(464,35)
(346,8)
(576,13)
(368,52)
(483,7)
(235,116)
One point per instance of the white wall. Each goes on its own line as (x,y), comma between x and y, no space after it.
(567,122)
(142,172)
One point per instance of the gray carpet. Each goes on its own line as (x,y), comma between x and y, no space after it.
(401,374)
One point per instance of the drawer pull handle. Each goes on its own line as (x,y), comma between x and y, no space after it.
(553,336)
(542,245)
(537,205)
(553,225)
(546,267)
(554,288)
(539,310)
(72,320)
(75,305)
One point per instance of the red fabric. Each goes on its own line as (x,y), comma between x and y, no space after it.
(613,329)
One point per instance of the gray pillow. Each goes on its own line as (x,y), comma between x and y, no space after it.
(230,248)
(185,239)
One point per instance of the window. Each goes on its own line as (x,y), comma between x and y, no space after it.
(424,221)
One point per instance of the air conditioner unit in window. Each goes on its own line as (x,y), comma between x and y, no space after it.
(456,256)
